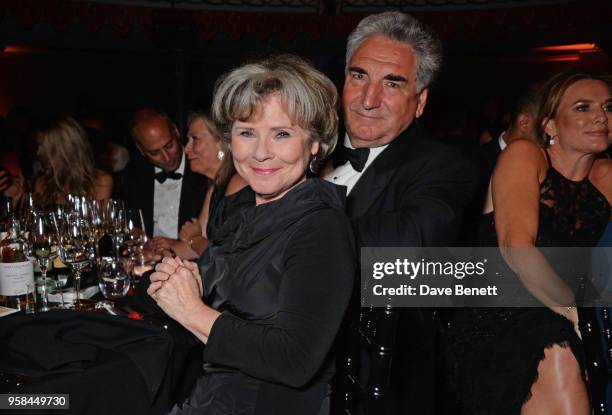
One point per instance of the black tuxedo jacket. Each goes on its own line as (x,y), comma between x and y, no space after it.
(487,158)
(136,188)
(413,194)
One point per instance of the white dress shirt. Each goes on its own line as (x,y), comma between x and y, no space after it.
(346,175)
(166,202)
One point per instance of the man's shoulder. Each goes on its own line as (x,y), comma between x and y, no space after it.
(417,144)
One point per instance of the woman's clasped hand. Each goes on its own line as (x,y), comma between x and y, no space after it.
(176,286)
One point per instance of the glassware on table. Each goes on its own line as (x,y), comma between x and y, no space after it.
(117,223)
(134,231)
(113,279)
(42,289)
(30,301)
(101,223)
(44,238)
(76,248)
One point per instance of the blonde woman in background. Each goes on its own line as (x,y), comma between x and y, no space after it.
(69,167)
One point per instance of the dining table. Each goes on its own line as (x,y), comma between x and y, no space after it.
(133,361)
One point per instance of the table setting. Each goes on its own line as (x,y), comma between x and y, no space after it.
(83,326)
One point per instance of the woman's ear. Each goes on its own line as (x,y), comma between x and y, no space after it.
(550,127)
(314,148)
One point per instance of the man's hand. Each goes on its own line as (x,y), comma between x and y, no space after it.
(190,230)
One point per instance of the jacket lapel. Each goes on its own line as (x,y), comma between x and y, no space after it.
(377,176)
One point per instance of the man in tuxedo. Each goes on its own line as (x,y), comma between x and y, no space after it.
(158,180)
(404,189)
(523,114)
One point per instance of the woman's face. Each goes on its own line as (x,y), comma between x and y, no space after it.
(270,152)
(584,118)
(202,149)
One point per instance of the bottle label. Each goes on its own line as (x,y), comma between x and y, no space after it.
(15,277)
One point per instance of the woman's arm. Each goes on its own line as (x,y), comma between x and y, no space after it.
(176,286)
(316,284)
(515,190)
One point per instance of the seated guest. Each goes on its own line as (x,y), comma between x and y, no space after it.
(68,164)
(158,180)
(208,155)
(11,180)
(522,125)
(272,287)
(554,193)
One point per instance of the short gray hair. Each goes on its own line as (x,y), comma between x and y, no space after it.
(404,28)
(310,98)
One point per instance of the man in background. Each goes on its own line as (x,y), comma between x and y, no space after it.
(158,180)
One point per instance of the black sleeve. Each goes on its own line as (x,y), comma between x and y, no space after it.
(429,209)
(319,267)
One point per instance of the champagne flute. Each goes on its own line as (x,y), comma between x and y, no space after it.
(100,221)
(117,223)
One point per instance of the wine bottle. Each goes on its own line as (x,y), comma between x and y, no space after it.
(16,271)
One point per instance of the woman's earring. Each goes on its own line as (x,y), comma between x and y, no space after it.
(220,154)
(313,166)
(551,140)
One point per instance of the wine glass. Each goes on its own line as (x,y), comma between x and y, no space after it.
(76,248)
(43,237)
(134,232)
(101,215)
(44,241)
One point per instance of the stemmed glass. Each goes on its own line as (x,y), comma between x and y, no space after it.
(117,222)
(44,241)
(101,222)
(43,238)
(76,248)
(135,237)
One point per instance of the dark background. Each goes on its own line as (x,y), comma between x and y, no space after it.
(107,58)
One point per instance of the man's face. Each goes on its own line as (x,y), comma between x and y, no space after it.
(380,99)
(159,143)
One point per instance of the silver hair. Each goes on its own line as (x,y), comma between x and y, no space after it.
(403,28)
(309,97)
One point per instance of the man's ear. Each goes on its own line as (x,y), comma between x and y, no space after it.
(525,122)
(138,147)
(421,102)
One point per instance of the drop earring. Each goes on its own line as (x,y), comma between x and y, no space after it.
(313,166)
(220,154)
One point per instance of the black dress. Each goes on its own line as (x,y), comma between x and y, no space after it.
(494,353)
(281,274)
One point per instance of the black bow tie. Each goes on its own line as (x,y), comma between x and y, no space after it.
(163,175)
(357,157)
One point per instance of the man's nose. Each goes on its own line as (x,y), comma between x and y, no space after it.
(166,157)
(372,95)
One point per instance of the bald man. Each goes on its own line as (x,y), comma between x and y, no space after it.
(159,180)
